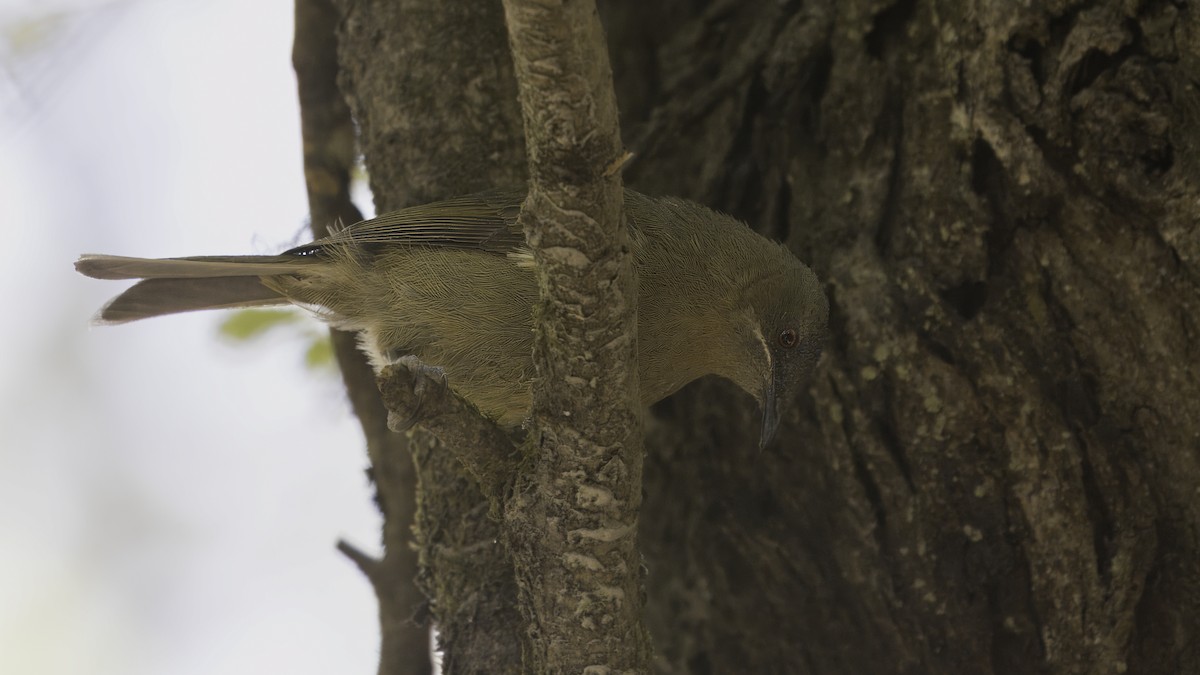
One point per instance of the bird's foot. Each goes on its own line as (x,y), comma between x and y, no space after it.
(412,392)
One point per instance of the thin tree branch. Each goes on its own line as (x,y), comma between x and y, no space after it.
(368,565)
(572,520)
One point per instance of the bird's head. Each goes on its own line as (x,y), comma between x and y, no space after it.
(780,338)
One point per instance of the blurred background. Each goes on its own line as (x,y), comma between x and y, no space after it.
(169,497)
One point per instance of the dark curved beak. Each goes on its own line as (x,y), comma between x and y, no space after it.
(770,413)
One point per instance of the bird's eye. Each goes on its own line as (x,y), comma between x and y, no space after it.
(788,338)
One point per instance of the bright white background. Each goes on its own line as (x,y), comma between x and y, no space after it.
(169,501)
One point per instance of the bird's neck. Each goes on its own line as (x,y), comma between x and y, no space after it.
(690,317)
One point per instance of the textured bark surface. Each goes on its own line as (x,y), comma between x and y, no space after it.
(571,521)
(995,469)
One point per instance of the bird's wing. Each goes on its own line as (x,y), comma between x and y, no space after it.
(480,222)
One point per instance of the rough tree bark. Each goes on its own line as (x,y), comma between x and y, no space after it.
(571,520)
(995,470)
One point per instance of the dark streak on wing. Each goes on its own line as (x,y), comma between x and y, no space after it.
(480,222)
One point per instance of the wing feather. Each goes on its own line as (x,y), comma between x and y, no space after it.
(480,222)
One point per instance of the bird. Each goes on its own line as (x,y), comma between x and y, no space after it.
(452,283)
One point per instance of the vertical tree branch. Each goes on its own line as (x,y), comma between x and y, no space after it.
(572,520)
(329,151)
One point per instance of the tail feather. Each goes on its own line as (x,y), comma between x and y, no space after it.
(172,285)
(156,297)
(98,266)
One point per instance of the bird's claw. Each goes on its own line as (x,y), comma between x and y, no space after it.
(412,391)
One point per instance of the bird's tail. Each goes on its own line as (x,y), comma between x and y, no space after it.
(171,285)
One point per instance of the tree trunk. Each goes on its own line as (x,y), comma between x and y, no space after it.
(996,467)
(996,470)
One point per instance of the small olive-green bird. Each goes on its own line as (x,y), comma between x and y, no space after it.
(452,283)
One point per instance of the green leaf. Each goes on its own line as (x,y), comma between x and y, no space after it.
(248,324)
(29,34)
(320,353)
